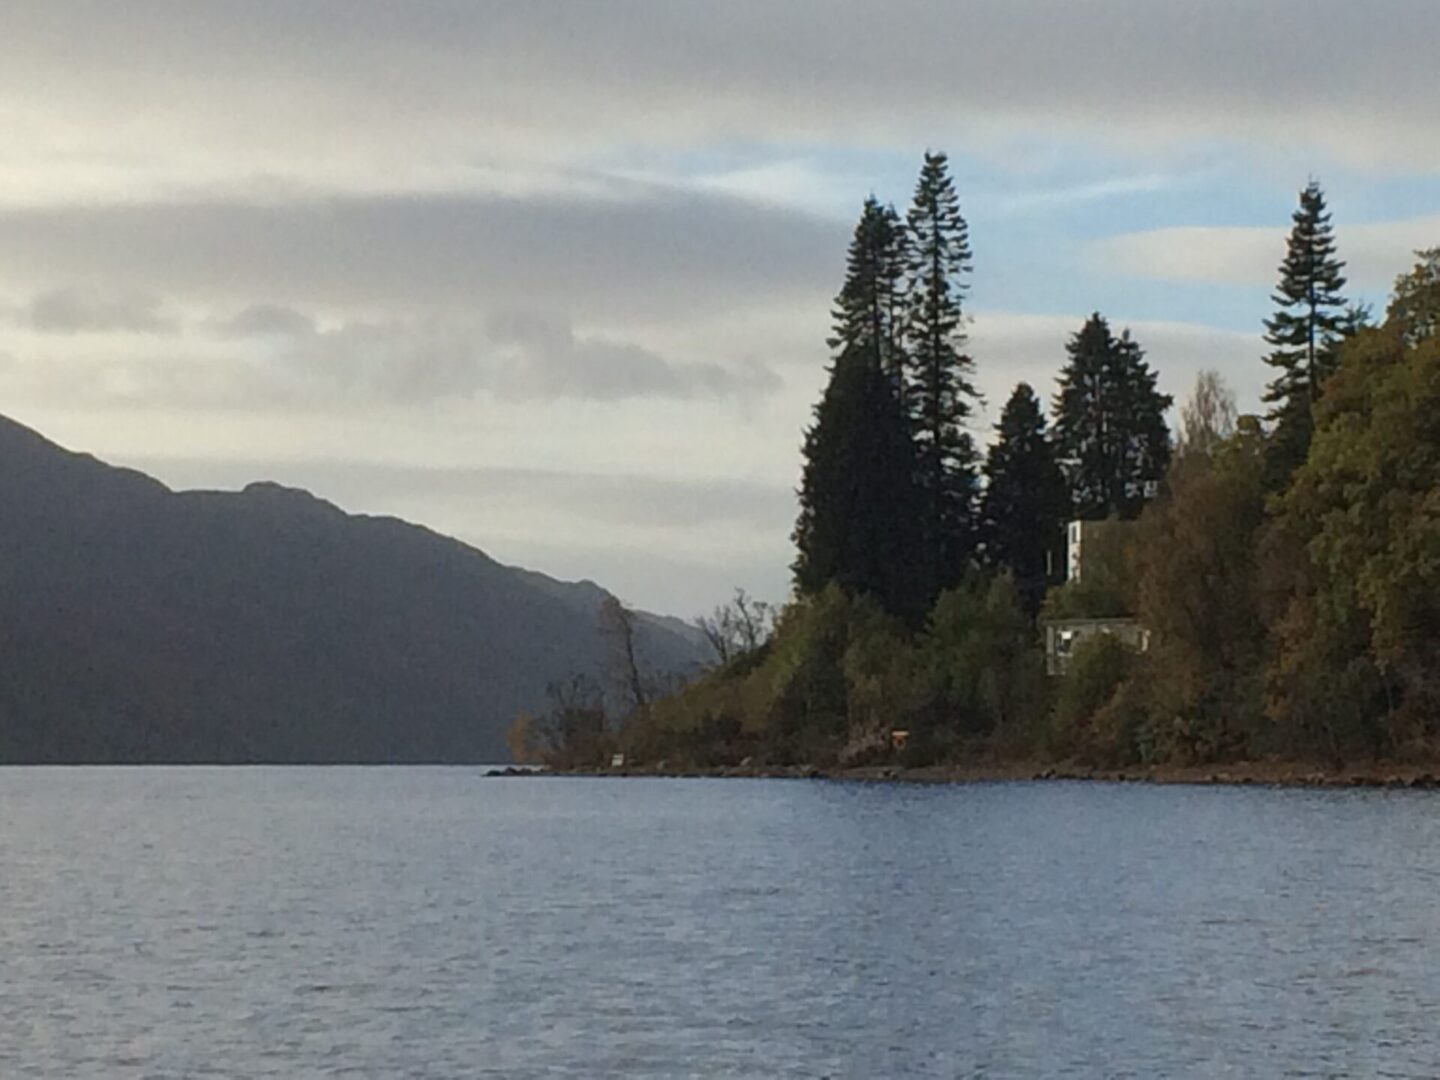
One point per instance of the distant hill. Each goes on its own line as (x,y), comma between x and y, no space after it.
(139,624)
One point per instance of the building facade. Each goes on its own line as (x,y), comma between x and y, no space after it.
(1063,635)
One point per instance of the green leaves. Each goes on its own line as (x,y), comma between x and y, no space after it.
(1366,506)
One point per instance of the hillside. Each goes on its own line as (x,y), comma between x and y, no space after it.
(139,624)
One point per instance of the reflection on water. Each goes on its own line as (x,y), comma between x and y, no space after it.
(431,922)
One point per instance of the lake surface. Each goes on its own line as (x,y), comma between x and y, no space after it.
(427,922)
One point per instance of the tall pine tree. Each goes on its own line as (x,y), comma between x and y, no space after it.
(1304,332)
(1109,423)
(940,393)
(869,310)
(1026,501)
(859,511)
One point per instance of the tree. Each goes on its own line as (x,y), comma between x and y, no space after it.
(1109,423)
(1304,331)
(859,522)
(575,732)
(737,628)
(618,625)
(1358,643)
(940,392)
(859,519)
(1415,305)
(522,739)
(1207,420)
(1026,502)
(869,311)
(1196,570)
(981,673)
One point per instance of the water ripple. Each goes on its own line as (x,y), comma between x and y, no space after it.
(163,923)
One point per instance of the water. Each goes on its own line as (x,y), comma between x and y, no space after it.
(434,923)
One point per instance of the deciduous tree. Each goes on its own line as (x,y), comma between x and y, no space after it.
(1415,306)
(1363,627)
(1207,420)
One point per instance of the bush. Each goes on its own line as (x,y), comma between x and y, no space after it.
(984,673)
(1098,668)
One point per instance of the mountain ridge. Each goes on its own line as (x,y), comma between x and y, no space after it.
(142,624)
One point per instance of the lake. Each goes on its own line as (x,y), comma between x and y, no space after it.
(431,922)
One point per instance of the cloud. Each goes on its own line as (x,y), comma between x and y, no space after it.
(666,254)
(266,320)
(345,91)
(570,238)
(541,357)
(78,310)
(274,356)
(787,182)
(515,356)
(1374,253)
(1021,202)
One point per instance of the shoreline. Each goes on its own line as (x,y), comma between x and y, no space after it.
(1247,773)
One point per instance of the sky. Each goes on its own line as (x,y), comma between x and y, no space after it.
(555,278)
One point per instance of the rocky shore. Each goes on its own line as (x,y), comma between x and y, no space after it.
(1283,774)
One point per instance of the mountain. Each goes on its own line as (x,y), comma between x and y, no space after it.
(140,624)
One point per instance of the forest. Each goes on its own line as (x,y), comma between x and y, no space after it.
(1284,567)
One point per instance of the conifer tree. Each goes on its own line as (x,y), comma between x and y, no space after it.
(859,515)
(858,518)
(940,393)
(1026,502)
(1109,423)
(869,310)
(1304,332)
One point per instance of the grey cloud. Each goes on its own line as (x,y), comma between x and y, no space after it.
(516,357)
(266,320)
(539,357)
(77,310)
(1329,71)
(394,361)
(668,254)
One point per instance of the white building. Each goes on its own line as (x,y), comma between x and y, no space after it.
(1063,635)
(1086,536)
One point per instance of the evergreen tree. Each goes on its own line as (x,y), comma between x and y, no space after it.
(1109,423)
(869,310)
(1304,332)
(859,513)
(1026,502)
(858,506)
(940,393)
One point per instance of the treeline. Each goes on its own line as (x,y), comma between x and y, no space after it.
(895,502)
(1286,568)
